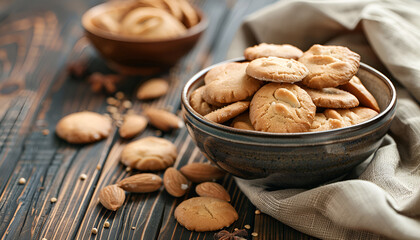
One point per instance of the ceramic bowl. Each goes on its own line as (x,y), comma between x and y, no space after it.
(292,159)
(132,55)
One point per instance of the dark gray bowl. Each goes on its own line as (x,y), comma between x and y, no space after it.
(292,159)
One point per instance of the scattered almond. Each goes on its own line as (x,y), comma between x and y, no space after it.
(163,120)
(112,197)
(175,183)
(153,88)
(212,189)
(132,125)
(202,172)
(141,183)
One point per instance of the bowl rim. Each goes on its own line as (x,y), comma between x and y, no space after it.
(100,8)
(251,133)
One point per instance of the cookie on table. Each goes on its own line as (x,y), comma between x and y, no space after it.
(322,123)
(198,104)
(222,115)
(329,66)
(356,87)
(230,85)
(276,69)
(332,98)
(272,50)
(242,121)
(83,127)
(203,214)
(149,154)
(282,108)
(351,116)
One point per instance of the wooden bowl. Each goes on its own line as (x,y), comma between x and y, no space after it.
(132,55)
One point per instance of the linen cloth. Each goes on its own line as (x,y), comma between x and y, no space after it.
(381,198)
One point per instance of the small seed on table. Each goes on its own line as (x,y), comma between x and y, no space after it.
(257,212)
(83,177)
(106,224)
(134,228)
(247,226)
(53,200)
(45,132)
(94,230)
(22,181)
(254,234)
(98,167)
(119,95)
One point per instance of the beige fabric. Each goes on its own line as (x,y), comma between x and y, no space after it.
(383,199)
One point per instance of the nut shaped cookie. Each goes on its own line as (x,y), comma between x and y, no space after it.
(276,69)
(149,154)
(230,85)
(198,104)
(322,123)
(351,116)
(329,66)
(272,50)
(203,214)
(332,98)
(356,87)
(83,127)
(282,108)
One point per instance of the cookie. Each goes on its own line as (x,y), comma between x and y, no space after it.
(356,87)
(282,108)
(322,123)
(351,116)
(149,154)
(242,121)
(153,88)
(83,127)
(133,124)
(329,66)
(198,104)
(203,214)
(230,85)
(228,112)
(332,98)
(276,69)
(272,50)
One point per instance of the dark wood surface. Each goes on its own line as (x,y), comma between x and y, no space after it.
(37,41)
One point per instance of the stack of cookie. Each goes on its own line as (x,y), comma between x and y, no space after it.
(284,90)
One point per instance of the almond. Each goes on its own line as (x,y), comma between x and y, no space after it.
(163,120)
(153,88)
(202,172)
(112,197)
(141,183)
(175,183)
(133,124)
(212,189)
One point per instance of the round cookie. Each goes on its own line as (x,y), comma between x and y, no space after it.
(276,69)
(149,154)
(230,85)
(282,108)
(272,50)
(203,214)
(83,127)
(221,115)
(322,123)
(356,87)
(242,121)
(198,104)
(332,98)
(329,66)
(351,116)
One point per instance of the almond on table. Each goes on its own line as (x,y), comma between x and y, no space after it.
(163,119)
(202,172)
(112,197)
(153,88)
(133,125)
(212,189)
(175,183)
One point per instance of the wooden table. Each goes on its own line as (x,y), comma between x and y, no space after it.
(37,41)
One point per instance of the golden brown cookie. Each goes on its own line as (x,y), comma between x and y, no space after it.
(332,98)
(276,69)
(242,121)
(198,104)
(282,108)
(230,85)
(321,123)
(351,116)
(272,50)
(203,214)
(221,115)
(329,66)
(83,127)
(356,87)
(153,88)
(149,154)
(133,124)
